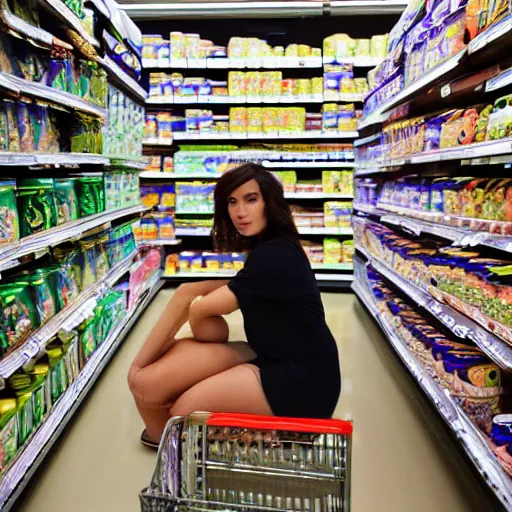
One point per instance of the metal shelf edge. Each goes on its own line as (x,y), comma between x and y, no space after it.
(470,438)
(80,389)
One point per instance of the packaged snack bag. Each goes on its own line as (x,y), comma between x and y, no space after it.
(270,119)
(238,120)
(332,250)
(254,120)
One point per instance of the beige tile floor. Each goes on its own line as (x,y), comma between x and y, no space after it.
(403,459)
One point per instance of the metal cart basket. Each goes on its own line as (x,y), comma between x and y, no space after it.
(240,462)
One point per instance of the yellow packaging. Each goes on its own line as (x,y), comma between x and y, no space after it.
(238,120)
(294,119)
(192,46)
(267,83)
(255,120)
(362,47)
(316,52)
(329,47)
(331,181)
(237,47)
(253,80)
(303,86)
(379,46)
(177,45)
(171,264)
(237,85)
(254,47)
(347,85)
(337,214)
(347,251)
(279,51)
(361,85)
(333,251)
(317,85)
(270,119)
(292,50)
(304,50)
(278,83)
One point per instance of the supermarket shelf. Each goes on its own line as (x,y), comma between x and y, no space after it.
(173,176)
(130,162)
(160,242)
(317,195)
(334,277)
(332,266)
(471,439)
(24,159)
(42,92)
(262,63)
(221,274)
(123,79)
(68,18)
(157,142)
(308,165)
(29,32)
(231,273)
(35,159)
(497,349)
(491,35)
(381,113)
(10,253)
(42,441)
(325,231)
(459,236)
(66,319)
(197,212)
(193,231)
(302,231)
(357,62)
(235,100)
(480,153)
(367,140)
(264,136)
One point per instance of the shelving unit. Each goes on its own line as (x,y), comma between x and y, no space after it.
(477,74)
(306,164)
(43,440)
(24,253)
(467,435)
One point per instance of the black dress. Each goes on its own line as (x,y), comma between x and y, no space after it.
(285,325)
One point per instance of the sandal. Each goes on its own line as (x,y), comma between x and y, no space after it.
(147,441)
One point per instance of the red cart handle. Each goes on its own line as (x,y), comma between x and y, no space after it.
(221,419)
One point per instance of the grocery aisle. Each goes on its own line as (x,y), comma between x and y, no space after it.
(401,458)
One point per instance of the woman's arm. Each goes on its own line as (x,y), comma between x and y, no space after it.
(206,315)
(174,316)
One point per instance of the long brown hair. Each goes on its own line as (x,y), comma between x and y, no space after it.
(277,211)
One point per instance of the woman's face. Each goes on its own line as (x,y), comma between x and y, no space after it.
(246,209)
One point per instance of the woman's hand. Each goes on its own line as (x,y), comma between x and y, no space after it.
(205,315)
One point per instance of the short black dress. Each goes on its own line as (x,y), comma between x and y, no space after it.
(285,325)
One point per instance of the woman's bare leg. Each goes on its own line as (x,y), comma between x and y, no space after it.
(187,362)
(174,316)
(236,390)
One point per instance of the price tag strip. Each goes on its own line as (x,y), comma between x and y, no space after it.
(446,310)
(472,440)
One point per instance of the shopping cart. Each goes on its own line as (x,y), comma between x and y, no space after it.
(240,462)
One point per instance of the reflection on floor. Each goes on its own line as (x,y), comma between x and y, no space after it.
(403,458)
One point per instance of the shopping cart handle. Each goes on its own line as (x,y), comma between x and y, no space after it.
(221,419)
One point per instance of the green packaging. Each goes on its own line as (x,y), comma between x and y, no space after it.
(36,205)
(90,195)
(88,333)
(12,126)
(41,282)
(9,224)
(66,200)
(25,418)
(88,262)
(18,317)
(86,135)
(8,434)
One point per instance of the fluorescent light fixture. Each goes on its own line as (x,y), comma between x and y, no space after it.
(224,9)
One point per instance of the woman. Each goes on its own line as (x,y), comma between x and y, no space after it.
(289,367)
